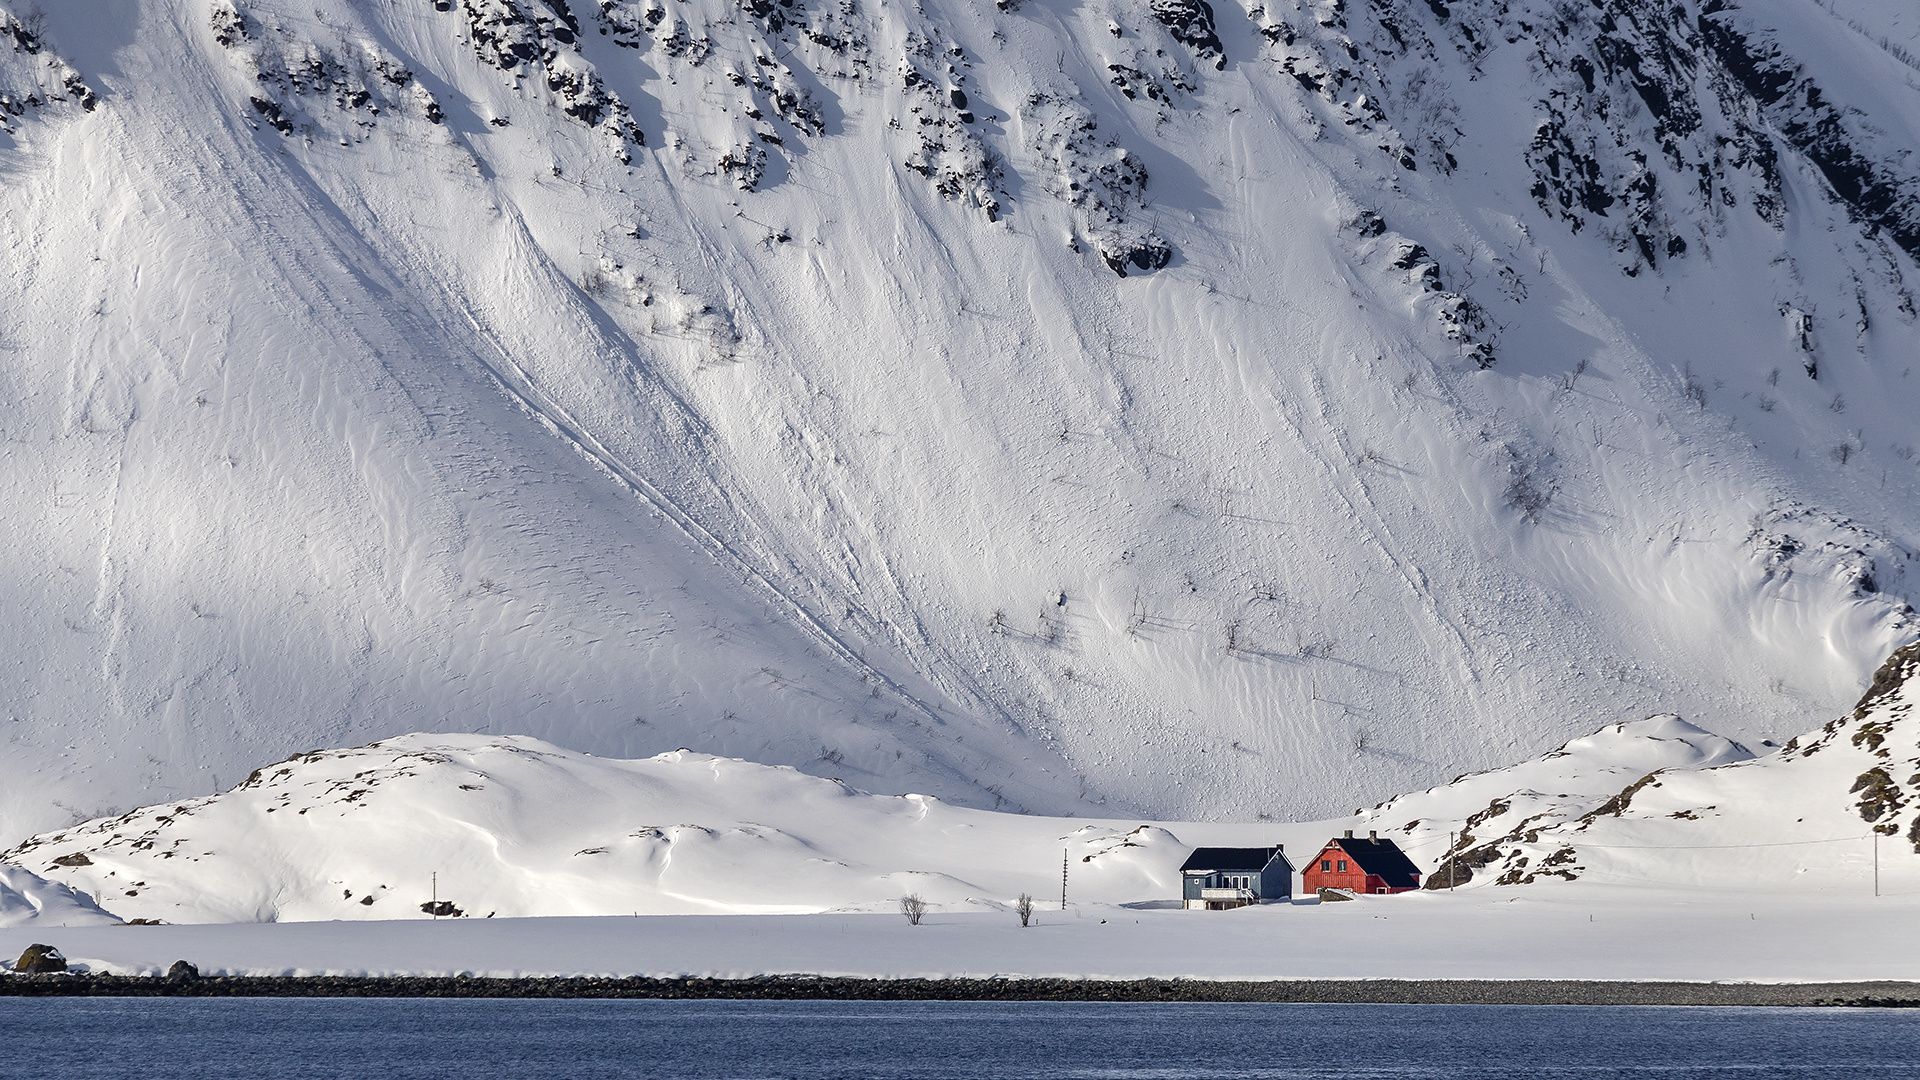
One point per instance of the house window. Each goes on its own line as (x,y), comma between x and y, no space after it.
(1326,866)
(1343,864)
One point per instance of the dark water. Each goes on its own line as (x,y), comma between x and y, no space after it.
(162,1039)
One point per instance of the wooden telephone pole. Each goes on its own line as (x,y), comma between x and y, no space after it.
(1063,879)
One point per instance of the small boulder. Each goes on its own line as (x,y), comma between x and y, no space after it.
(1327,895)
(41,960)
(181,971)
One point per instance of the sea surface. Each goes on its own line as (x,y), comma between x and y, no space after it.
(395,1039)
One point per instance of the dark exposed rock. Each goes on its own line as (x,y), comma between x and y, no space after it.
(962,167)
(40,960)
(1617,805)
(1879,795)
(1098,177)
(1870,181)
(443,909)
(1191,23)
(229,26)
(1366,224)
(1890,677)
(1143,253)
(511,36)
(181,971)
(273,113)
(1458,869)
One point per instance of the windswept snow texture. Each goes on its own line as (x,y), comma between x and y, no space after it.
(1055,406)
(26,899)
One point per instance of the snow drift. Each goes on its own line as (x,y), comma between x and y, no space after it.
(26,899)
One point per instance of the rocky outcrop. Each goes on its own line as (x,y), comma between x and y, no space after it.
(1097,177)
(40,960)
(337,90)
(33,76)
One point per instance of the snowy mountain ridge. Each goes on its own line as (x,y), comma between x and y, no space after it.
(1185,410)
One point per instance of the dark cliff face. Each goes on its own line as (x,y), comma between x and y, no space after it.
(1876,181)
(1645,115)
(1646,120)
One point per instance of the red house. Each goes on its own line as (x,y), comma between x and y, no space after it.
(1372,865)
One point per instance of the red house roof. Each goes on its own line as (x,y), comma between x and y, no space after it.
(1378,858)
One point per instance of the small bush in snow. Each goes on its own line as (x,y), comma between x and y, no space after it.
(913,907)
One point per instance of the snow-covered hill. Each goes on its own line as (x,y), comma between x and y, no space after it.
(515,827)
(762,379)
(1833,807)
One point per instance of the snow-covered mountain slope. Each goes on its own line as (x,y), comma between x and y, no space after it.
(26,899)
(515,827)
(758,378)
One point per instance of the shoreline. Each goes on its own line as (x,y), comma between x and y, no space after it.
(825,988)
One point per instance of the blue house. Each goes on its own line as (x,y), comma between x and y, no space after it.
(1218,878)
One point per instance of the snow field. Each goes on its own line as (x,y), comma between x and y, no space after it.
(1560,931)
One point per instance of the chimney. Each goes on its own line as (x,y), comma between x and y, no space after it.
(1349,834)
(1373,836)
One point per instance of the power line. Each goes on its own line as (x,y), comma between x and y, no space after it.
(1713,847)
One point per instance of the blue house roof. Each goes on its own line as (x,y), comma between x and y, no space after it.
(1211,859)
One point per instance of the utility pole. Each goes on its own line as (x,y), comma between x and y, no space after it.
(1452,862)
(1876,862)
(435,906)
(1063,879)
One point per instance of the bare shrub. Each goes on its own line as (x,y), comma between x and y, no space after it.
(1023,907)
(913,907)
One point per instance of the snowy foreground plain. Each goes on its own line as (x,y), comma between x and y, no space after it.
(1562,931)
(1651,850)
